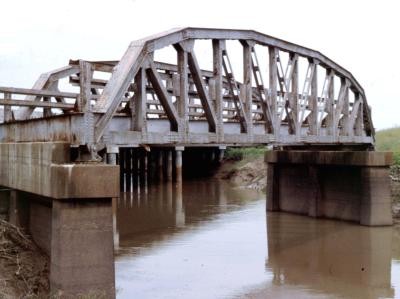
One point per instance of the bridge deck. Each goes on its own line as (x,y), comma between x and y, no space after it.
(68,128)
(286,94)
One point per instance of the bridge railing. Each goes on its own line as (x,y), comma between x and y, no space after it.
(285,103)
(293,93)
(45,99)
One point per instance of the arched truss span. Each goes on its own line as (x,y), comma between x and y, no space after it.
(274,91)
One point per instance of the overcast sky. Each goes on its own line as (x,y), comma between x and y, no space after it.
(362,36)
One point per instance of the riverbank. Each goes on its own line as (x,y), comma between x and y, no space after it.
(244,168)
(24,267)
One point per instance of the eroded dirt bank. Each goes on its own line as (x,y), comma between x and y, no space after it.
(23,266)
(246,173)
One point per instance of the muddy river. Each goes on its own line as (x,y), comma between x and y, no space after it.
(207,239)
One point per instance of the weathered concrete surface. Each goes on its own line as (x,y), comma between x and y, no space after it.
(67,209)
(352,186)
(82,256)
(40,223)
(346,158)
(43,168)
(19,209)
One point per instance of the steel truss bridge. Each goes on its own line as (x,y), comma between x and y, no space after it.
(285,94)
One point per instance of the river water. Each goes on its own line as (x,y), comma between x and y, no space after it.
(207,239)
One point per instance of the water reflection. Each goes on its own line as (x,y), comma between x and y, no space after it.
(206,239)
(330,257)
(159,211)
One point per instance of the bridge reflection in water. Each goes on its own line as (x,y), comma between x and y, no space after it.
(205,239)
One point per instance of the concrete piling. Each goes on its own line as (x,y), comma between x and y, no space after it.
(178,163)
(143,160)
(128,168)
(169,165)
(160,165)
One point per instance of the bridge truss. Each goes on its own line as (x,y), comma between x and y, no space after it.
(284,94)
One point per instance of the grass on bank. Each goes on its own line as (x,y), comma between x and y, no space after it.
(389,140)
(244,153)
(386,140)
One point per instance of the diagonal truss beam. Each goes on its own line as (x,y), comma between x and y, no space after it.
(287,79)
(356,116)
(234,89)
(162,95)
(340,104)
(118,84)
(203,94)
(263,98)
(307,86)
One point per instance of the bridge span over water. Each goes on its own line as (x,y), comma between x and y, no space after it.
(183,87)
(88,130)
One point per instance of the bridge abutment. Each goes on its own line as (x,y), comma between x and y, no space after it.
(67,208)
(351,185)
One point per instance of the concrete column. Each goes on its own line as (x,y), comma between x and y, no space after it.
(121,162)
(19,209)
(4,203)
(112,158)
(160,165)
(135,167)
(152,166)
(143,167)
(169,165)
(178,163)
(272,188)
(376,203)
(212,156)
(221,154)
(82,252)
(179,210)
(128,168)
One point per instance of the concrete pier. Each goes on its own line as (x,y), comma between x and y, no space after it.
(352,185)
(67,209)
(143,161)
(82,248)
(160,165)
(178,163)
(169,165)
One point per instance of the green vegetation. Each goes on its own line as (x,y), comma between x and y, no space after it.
(386,140)
(389,140)
(244,153)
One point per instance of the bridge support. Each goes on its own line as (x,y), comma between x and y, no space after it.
(67,208)
(169,165)
(4,203)
(178,163)
(352,186)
